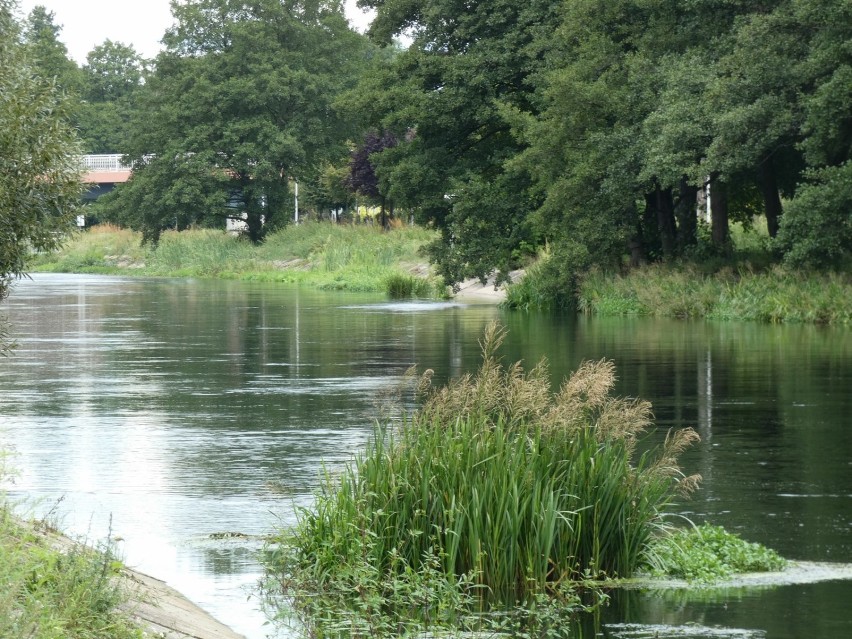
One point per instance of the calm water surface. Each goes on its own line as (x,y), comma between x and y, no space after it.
(165,411)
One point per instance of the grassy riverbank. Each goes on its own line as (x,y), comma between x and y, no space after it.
(746,284)
(775,295)
(321,255)
(48,590)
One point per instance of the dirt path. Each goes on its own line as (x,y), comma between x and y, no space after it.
(475,291)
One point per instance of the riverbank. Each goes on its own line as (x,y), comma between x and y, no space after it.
(365,259)
(772,296)
(738,291)
(52,584)
(320,255)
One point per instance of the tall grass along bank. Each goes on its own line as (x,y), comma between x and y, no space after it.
(771,296)
(319,254)
(495,491)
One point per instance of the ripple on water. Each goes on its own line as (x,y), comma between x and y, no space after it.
(688,631)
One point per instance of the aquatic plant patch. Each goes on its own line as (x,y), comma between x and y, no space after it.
(709,553)
(495,491)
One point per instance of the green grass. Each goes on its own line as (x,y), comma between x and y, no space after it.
(710,553)
(773,296)
(746,284)
(497,489)
(321,255)
(52,592)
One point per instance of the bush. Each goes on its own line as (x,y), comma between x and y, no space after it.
(401,286)
(816,228)
(550,283)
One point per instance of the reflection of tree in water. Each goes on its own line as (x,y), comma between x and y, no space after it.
(741,613)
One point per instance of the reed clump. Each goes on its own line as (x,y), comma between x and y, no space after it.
(506,489)
(399,286)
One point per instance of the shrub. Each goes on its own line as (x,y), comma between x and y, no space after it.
(400,286)
(816,228)
(551,282)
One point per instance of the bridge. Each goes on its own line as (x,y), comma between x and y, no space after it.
(102,173)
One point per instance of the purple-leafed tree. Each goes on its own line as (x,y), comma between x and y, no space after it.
(362,170)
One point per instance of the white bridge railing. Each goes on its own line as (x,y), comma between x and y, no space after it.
(104,163)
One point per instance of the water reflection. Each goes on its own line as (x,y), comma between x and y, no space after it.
(184,408)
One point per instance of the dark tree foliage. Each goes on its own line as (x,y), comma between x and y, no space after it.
(362,172)
(443,98)
(593,125)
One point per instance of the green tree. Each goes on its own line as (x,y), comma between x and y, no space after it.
(238,106)
(113,75)
(330,191)
(442,98)
(48,54)
(39,171)
(113,71)
(642,104)
(817,229)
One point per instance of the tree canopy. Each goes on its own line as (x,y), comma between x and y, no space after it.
(39,168)
(239,105)
(593,125)
(598,129)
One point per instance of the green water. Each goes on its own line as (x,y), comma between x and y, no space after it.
(168,410)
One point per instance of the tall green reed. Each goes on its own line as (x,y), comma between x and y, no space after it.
(775,295)
(514,489)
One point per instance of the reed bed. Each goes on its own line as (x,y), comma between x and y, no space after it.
(775,296)
(508,490)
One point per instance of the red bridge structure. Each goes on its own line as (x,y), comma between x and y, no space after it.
(103,172)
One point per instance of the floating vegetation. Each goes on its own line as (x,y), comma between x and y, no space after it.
(710,553)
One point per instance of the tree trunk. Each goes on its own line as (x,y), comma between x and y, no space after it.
(637,253)
(650,229)
(719,213)
(666,221)
(686,214)
(771,197)
(383,216)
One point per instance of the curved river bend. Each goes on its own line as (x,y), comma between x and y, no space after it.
(165,411)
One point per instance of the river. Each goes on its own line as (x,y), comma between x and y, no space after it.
(165,411)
